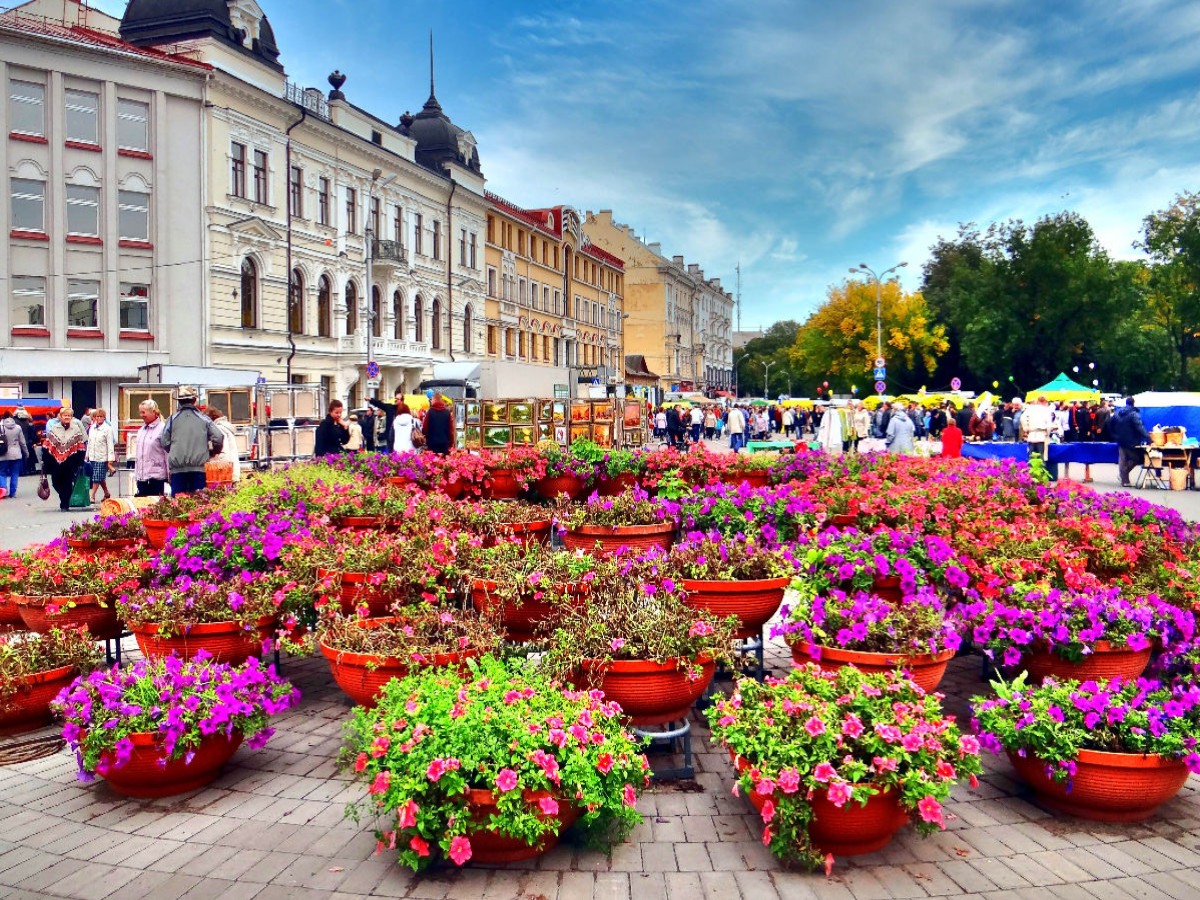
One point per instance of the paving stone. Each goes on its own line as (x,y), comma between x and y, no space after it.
(659,857)
(576,886)
(646,886)
(756,885)
(692,858)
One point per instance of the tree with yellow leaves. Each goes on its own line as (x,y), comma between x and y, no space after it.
(839,339)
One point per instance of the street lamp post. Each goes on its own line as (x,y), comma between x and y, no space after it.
(863,267)
(369,254)
(766,377)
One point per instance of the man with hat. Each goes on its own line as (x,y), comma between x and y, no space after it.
(190,438)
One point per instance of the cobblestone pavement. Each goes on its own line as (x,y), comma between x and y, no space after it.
(273,827)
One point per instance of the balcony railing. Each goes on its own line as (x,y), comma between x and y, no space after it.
(390,252)
(384,348)
(310,98)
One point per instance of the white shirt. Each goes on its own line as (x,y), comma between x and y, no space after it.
(402,432)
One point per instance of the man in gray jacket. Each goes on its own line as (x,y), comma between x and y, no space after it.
(13,458)
(190,438)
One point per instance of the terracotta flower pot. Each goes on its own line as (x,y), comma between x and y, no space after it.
(650,693)
(1107,787)
(101,545)
(29,708)
(452,489)
(10,614)
(851,830)
(1104,662)
(550,488)
(363,675)
(144,775)
(611,538)
(926,670)
(156,530)
(753,602)
(755,478)
(888,588)
(532,618)
(615,487)
(524,533)
(843,520)
(488,846)
(360,523)
(228,642)
(355,589)
(502,485)
(399,481)
(42,614)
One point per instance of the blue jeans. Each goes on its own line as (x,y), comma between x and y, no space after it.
(188,482)
(10,472)
(737,442)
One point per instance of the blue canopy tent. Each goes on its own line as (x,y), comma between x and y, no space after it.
(1166,408)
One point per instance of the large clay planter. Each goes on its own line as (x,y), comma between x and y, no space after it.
(1106,661)
(550,488)
(156,530)
(10,614)
(29,708)
(452,489)
(753,602)
(615,487)
(851,830)
(490,847)
(888,588)
(755,478)
(1107,787)
(843,520)
(502,484)
(363,675)
(43,614)
(228,642)
(355,590)
(926,670)
(524,533)
(650,693)
(399,481)
(360,523)
(105,545)
(532,618)
(144,777)
(611,538)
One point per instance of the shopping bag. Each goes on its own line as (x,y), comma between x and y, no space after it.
(81,492)
(43,490)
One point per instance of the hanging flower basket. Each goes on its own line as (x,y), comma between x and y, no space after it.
(29,709)
(1106,661)
(611,538)
(149,773)
(42,614)
(1106,787)
(651,693)
(926,670)
(226,642)
(753,602)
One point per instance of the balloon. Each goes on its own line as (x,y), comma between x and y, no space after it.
(826,384)
(429,393)
(995,384)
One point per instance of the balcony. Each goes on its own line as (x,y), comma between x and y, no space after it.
(385,349)
(389,253)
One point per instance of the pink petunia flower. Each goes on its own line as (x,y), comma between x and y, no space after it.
(839,793)
(824,773)
(814,726)
(931,811)
(506,780)
(460,850)
(420,846)
(548,805)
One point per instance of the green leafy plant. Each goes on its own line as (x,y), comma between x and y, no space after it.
(23,655)
(416,635)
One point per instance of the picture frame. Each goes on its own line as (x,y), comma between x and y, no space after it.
(632,415)
(524,435)
(560,434)
(602,411)
(473,411)
(581,412)
(496,437)
(460,417)
(581,431)
(602,435)
(545,431)
(634,438)
(545,410)
(520,412)
(558,412)
(495,412)
(472,436)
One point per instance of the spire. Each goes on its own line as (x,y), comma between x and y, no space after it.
(431,94)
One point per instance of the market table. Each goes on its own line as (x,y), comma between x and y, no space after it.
(996,450)
(1086,452)
(763,446)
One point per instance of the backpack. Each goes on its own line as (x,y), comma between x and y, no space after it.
(3,442)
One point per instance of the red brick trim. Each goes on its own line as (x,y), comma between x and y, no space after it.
(83,145)
(83,239)
(29,235)
(27,138)
(84,333)
(127,335)
(135,154)
(136,245)
(30,331)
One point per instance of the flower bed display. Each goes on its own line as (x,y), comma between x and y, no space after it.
(34,669)
(106,533)
(492,766)
(608,525)
(524,588)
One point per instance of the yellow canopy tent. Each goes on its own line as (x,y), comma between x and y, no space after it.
(1063,390)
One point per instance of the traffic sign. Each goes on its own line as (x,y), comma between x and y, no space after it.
(880,373)
(880,362)
(880,387)
(955,384)
(372,369)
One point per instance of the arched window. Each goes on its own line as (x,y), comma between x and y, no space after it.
(398,315)
(351,307)
(376,312)
(296,303)
(419,318)
(436,325)
(467,326)
(249,293)
(324,298)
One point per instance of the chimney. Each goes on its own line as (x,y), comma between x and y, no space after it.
(678,260)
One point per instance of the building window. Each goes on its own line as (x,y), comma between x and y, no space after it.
(324,307)
(491,340)
(351,307)
(135,307)
(533,347)
(82,116)
(491,282)
(296,192)
(419,318)
(296,303)
(28,205)
(491,230)
(133,126)
(260,177)
(83,304)
(27,108)
(398,225)
(545,299)
(249,293)
(520,242)
(462,247)
(533,295)
(546,346)
(351,211)
(418,237)
(133,217)
(437,239)
(558,303)
(474,252)
(556,359)
(509,343)
(398,316)
(545,252)
(28,301)
(83,210)
(467,326)
(323,202)
(376,312)
(436,324)
(237,174)
(375,217)
(521,344)
(521,291)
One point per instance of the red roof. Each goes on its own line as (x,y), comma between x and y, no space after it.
(516,212)
(40,25)
(603,256)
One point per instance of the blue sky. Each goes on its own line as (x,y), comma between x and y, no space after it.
(798,137)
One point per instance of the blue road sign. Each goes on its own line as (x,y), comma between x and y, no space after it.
(372,369)
(880,374)
(880,387)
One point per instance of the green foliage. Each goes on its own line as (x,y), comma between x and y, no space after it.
(1172,238)
(773,347)
(24,655)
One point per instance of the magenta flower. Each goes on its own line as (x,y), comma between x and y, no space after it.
(548,805)
(839,793)
(930,811)
(460,850)
(824,772)
(506,780)
(814,726)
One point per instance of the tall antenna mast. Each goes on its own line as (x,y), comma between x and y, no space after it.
(430,62)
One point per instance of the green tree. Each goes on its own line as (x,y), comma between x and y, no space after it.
(947,258)
(771,348)
(1172,238)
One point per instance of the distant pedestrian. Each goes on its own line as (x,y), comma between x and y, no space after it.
(66,447)
(150,468)
(191,439)
(1126,429)
(101,454)
(13,458)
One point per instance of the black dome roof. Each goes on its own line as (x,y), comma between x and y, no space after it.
(438,139)
(151,22)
